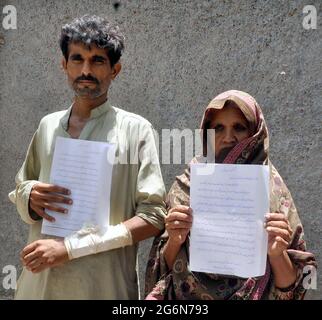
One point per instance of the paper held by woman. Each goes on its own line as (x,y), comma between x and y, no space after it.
(229,204)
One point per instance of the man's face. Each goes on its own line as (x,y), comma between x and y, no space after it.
(89,71)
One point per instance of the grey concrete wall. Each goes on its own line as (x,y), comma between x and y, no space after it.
(179,55)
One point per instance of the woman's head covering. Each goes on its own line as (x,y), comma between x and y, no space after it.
(251,150)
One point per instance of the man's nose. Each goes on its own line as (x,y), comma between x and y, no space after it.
(86,70)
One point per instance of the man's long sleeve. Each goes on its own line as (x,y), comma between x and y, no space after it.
(150,192)
(25,179)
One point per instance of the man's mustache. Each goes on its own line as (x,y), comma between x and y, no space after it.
(87,78)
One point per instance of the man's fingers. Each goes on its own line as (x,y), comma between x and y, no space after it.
(39,197)
(55,198)
(35,263)
(41,212)
(48,205)
(58,189)
(46,216)
(52,207)
(30,257)
(40,268)
(28,249)
(52,188)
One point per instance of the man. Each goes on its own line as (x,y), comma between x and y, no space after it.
(92,48)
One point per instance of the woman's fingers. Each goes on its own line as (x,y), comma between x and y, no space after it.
(178,216)
(277,245)
(181,208)
(277,221)
(178,225)
(279,224)
(277,232)
(276,217)
(179,213)
(281,241)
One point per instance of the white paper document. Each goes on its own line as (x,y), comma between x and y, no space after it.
(85,168)
(229,204)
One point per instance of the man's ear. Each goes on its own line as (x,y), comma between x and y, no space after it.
(64,64)
(116,70)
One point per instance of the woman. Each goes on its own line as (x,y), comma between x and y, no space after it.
(241,137)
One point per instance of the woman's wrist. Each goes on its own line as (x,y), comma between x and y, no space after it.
(174,242)
(285,273)
(170,252)
(277,257)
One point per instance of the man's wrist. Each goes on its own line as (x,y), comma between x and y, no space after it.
(86,241)
(68,249)
(33,215)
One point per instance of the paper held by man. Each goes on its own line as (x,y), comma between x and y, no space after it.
(229,204)
(85,168)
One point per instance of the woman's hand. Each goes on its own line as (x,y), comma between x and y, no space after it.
(42,254)
(279,234)
(178,223)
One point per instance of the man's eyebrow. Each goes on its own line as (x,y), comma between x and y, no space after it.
(97,57)
(76,56)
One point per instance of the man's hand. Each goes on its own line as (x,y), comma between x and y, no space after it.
(279,233)
(46,196)
(42,254)
(178,223)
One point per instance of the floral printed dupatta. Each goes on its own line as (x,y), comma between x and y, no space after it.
(183,284)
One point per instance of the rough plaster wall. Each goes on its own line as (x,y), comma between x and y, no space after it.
(179,54)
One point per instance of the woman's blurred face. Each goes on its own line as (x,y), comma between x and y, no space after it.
(231,127)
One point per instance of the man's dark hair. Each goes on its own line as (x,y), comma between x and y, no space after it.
(93,29)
